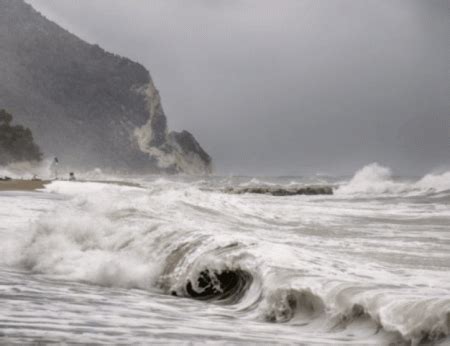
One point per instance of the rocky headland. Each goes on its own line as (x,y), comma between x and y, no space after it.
(88,107)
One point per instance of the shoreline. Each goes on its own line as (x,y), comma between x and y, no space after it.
(22,185)
(34,185)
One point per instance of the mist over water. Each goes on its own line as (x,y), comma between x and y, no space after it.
(179,260)
(288,97)
(289,87)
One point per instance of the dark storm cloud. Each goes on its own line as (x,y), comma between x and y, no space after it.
(289,86)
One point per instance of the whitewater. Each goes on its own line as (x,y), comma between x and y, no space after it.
(182,260)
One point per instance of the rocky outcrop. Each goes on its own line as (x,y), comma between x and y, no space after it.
(89,107)
(175,151)
(283,191)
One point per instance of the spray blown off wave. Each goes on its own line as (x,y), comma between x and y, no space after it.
(324,269)
(378,180)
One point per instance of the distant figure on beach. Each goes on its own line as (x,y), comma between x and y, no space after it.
(54,168)
(72,176)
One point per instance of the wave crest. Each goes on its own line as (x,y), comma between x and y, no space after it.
(378,180)
(283,305)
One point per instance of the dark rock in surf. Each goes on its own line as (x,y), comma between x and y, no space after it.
(282,191)
(89,107)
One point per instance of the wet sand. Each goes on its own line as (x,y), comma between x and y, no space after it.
(32,185)
(22,185)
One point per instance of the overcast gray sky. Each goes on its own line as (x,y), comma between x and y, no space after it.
(289,86)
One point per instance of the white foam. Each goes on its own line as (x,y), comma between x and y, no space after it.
(324,255)
(375,179)
(27,170)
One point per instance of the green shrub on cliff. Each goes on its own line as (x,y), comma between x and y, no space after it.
(16,142)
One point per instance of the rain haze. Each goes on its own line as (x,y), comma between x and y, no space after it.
(289,87)
(283,177)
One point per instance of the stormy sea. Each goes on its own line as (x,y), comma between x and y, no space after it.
(181,260)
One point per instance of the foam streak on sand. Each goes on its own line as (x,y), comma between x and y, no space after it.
(112,263)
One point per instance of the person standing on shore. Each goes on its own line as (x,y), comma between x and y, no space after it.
(54,168)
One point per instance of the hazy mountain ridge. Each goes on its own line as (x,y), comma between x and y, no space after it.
(87,106)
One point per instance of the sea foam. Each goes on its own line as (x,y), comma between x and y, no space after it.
(331,265)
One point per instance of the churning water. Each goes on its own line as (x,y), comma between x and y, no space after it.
(181,261)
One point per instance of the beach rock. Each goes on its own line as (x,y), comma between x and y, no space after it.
(88,107)
(282,191)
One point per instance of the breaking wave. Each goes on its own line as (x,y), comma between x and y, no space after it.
(176,239)
(226,285)
(375,179)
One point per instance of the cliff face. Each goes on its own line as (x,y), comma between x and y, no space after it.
(89,107)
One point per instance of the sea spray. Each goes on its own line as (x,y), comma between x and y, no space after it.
(375,179)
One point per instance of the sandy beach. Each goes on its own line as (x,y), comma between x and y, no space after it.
(22,185)
(32,185)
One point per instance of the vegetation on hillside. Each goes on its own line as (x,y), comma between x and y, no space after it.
(16,142)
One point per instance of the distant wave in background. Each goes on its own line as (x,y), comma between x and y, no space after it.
(375,179)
